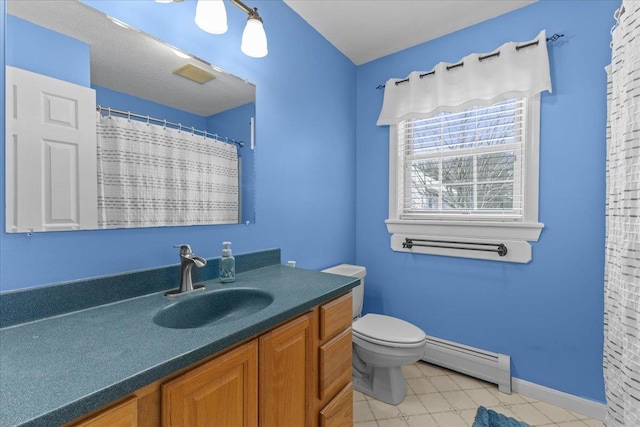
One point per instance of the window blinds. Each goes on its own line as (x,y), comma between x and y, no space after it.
(468,163)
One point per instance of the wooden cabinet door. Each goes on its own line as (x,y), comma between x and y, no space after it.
(124,414)
(286,375)
(220,393)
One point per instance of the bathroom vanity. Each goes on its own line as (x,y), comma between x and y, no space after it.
(110,365)
(274,380)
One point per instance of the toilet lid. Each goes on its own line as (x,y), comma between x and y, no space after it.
(385,328)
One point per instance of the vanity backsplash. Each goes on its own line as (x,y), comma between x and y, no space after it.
(31,304)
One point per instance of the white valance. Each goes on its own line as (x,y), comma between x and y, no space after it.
(515,69)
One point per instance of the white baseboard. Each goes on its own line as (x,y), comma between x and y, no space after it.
(568,401)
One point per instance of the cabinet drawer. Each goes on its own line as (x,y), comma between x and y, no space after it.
(335,364)
(339,411)
(124,414)
(335,316)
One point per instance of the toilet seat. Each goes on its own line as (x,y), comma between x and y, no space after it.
(388,331)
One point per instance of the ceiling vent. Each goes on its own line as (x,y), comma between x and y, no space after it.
(193,73)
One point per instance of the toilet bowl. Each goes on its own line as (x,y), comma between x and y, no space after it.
(381,346)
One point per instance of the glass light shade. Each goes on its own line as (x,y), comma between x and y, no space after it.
(254,39)
(211,16)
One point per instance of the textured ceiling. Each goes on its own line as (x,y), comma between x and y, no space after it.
(365,30)
(144,68)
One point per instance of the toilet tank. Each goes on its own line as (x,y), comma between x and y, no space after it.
(357,292)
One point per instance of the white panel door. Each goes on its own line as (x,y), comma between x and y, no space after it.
(51,178)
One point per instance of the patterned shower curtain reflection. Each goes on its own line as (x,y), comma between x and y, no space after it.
(622,268)
(151,175)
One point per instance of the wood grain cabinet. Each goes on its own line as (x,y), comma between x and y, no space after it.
(220,393)
(335,387)
(124,414)
(339,411)
(335,369)
(297,374)
(286,374)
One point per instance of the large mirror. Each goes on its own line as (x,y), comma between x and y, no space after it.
(174,133)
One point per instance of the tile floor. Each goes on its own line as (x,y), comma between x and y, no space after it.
(438,397)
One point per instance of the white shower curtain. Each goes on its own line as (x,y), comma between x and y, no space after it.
(622,268)
(150,176)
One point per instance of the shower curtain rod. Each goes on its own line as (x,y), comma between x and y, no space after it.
(165,123)
(552,38)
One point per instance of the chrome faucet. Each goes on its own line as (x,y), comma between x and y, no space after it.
(187,261)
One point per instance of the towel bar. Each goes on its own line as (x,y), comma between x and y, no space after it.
(501,249)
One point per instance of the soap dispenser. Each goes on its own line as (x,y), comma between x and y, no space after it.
(227,264)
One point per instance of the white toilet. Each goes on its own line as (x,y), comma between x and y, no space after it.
(381,345)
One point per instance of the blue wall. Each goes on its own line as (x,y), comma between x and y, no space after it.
(547,315)
(305,176)
(46,52)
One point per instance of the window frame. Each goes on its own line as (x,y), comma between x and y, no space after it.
(479,230)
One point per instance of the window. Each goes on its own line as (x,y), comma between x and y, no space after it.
(466,163)
(463,160)
(468,175)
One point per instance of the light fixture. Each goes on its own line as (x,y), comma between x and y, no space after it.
(211,16)
(254,39)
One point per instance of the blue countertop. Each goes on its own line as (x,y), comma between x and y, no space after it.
(56,369)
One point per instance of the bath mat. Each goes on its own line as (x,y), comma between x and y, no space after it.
(489,418)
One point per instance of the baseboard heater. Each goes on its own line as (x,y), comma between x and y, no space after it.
(485,365)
